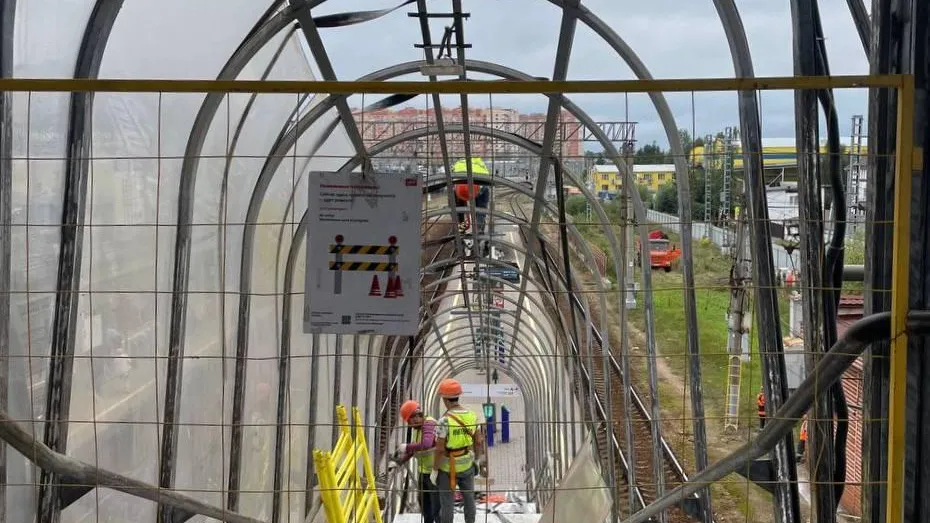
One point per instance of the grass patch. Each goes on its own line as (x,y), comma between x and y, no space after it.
(712,295)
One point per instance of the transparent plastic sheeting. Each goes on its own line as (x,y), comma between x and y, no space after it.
(124,308)
(582,494)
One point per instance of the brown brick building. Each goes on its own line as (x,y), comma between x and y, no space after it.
(851,310)
(377,126)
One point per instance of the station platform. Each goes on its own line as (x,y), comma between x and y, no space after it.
(506,461)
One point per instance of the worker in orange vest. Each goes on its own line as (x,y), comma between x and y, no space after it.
(802,444)
(760,406)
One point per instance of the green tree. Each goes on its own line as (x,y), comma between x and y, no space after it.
(666,199)
(646,196)
(575,205)
(650,154)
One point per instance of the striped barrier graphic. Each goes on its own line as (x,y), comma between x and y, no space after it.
(391,267)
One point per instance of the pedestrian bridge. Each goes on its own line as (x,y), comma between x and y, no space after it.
(159,224)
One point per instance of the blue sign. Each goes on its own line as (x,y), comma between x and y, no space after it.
(510,274)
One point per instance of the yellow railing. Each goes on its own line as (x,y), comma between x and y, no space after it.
(348,494)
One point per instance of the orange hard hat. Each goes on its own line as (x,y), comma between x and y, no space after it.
(464,192)
(408,409)
(450,388)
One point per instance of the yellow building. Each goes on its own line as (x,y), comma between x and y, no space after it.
(606,180)
(777,153)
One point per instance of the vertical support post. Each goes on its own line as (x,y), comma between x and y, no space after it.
(490,430)
(392,259)
(900,266)
(505,424)
(337,276)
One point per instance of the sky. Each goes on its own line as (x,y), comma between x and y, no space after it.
(674,38)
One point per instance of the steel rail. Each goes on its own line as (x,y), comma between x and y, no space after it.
(547,87)
(589,386)
(637,400)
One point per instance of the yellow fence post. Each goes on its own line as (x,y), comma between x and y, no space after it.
(338,472)
(897,392)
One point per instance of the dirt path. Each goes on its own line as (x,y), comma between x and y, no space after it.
(734,502)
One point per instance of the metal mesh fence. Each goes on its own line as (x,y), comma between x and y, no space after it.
(623,328)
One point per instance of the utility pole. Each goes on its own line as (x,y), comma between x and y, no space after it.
(626,238)
(739,322)
(708,164)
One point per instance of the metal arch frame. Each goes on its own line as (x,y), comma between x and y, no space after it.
(275,158)
(297,243)
(77,168)
(529,145)
(774,376)
(295,247)
(657,450)
(583,14)
(260,35)
(7,25)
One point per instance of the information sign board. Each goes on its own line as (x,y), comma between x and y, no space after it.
(494,390)
(363,254)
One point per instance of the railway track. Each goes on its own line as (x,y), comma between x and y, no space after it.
(611,409)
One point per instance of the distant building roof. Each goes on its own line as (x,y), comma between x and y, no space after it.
(645,168)
(791,142)
(783,205)
(656,168)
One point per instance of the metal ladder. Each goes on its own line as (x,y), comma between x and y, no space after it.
(853,179)
(734,377)
(727,182)
(708,165)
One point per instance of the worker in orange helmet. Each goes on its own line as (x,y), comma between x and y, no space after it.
(760,407)
(424,439)
(802,444)
(458,455)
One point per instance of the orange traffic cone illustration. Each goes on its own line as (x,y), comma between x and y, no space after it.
(398,288)
(375,286)
(391,291)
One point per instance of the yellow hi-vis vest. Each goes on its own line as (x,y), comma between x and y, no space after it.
(478,167)
(458,440)
(424,457)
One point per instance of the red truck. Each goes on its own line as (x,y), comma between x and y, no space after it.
(662,254)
